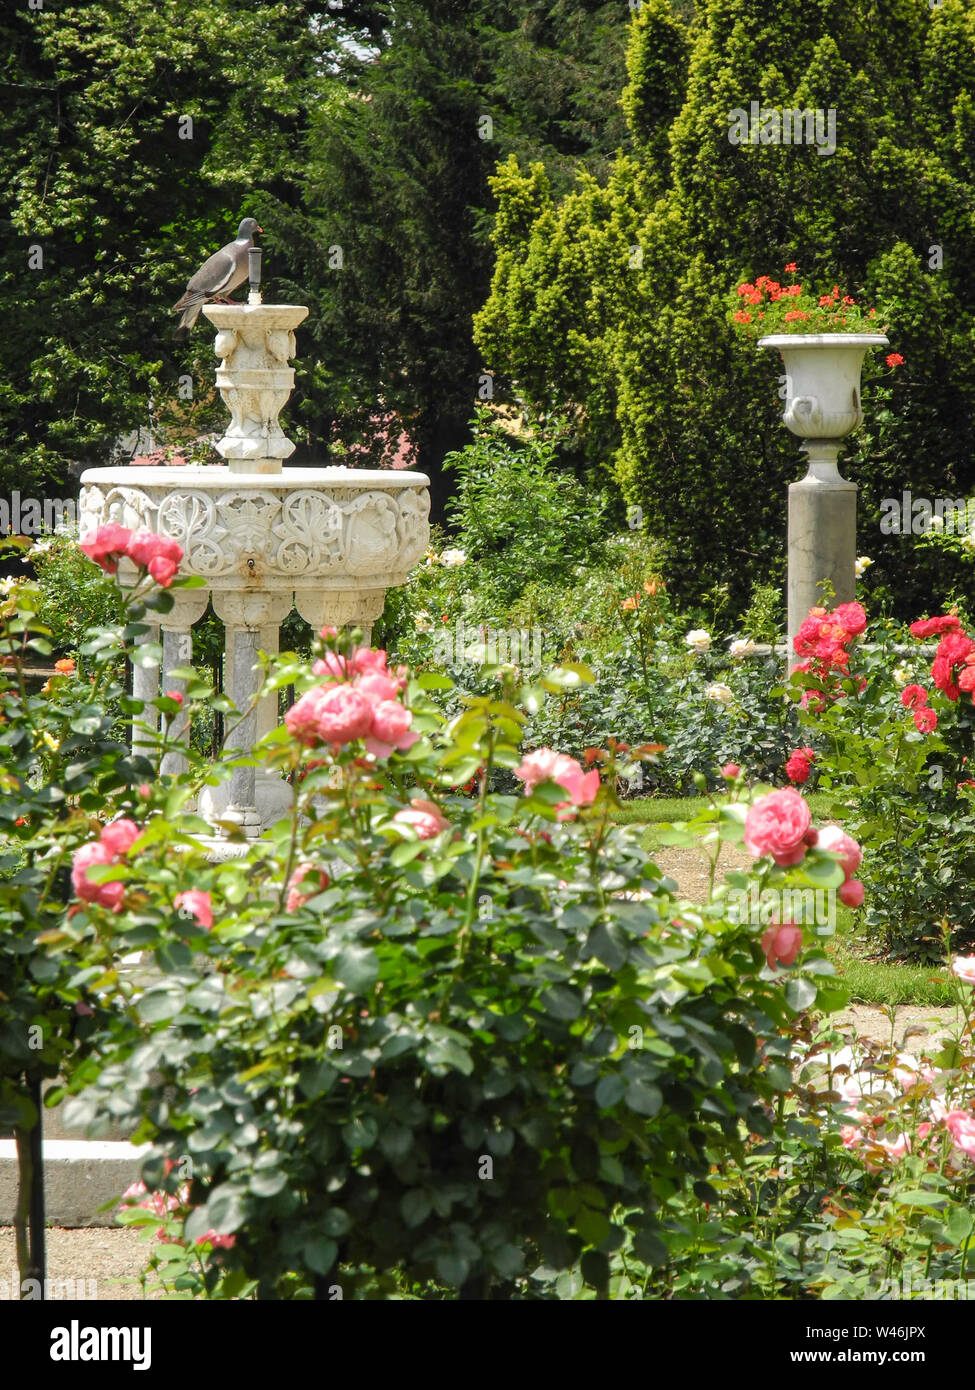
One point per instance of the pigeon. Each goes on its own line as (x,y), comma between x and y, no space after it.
(216,278)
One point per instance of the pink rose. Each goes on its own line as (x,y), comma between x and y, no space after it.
(896,1148)
(964,968)
(119,837)
(545,765)
(197,904)
(146,546)
(850,893)
(390,729)
(377,686)
(106,545)
(538,766)
(782,943)
(852,1137)
(852,617)
(730,771)
(334,714)
(175,695)
(218,1242)
(336,667)
(163,571)
(296,898)
(961,1127)
(776,824)
(423,817)
(109,894)
(832,838)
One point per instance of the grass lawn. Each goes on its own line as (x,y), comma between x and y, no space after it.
(869,982)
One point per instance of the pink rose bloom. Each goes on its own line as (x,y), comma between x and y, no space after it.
(896,1148)
(390,729)
(964,968)
(423,817)
(377,687)
(297,898)
(108,894)
(850,893)
(218,1242)
(106,545)
(832,838)
(336,667)
(545,765)
(538,766)
(730,771)
(344,714)
(776,824)
(197,904)
(961,1127)
(782,943)
(302,718)
(798,766)
(119,837)
(175,695)
(369,659)
(146,546)
(852,1137)
(163,571)
(334,714)
(852,617)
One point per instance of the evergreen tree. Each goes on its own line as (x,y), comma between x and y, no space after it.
(688,415)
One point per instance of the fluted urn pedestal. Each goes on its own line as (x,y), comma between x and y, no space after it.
(326,541)
(822,377)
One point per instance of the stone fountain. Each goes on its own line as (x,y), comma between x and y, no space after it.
(265,538)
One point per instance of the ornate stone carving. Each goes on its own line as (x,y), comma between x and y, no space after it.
(254,344)
(293,530)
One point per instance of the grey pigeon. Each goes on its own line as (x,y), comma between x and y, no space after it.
(217,277)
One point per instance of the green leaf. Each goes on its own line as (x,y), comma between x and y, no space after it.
(595,1269)
(415,1207)
(356,967)
(800,994)
(160,1002)
(562,1002)
(320,1253)
(644,1098)
(609,1090)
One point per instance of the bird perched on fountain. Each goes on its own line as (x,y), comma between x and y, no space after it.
(216,278)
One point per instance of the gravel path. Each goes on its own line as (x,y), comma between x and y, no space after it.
(101,1264)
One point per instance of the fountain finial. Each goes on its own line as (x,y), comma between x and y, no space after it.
(254,342)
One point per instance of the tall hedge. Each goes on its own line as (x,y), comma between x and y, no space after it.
(611,303)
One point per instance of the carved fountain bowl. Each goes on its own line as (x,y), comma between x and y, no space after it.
(307,531)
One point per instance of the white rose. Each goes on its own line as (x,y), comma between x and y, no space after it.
(862,565)
(901,675)
(742,647)
(698,640)
(722,693)
(453,557)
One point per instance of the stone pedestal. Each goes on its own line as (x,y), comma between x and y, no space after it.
(822,406)
(265,538)
(822,534)
(327,541)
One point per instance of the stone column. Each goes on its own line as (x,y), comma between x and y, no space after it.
(822,535)
(145,687)
(177,636)
(245,617)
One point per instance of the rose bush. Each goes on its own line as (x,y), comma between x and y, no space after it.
(414,1040)
(896,755)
